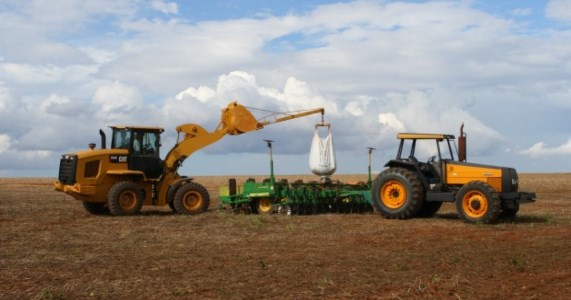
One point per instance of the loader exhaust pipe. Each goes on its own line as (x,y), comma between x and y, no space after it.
(462,144)
(103,139)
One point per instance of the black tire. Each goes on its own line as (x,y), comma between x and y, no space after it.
(397,193)
(428,209)
(125,198)
(478,202)
(509,213)
(96,208)
(191,199)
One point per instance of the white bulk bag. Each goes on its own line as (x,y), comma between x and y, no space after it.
(322,154)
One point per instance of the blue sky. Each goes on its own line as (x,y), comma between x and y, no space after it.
(71,67)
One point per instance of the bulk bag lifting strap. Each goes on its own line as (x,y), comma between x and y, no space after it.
(322,155)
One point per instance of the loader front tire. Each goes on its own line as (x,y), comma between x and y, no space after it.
(478,202)
(191,199)
(397,193)
(125,198)
(96,208)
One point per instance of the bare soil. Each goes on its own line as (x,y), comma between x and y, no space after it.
(51,248)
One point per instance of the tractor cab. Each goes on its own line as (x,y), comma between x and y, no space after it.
(143,145)
(426,154)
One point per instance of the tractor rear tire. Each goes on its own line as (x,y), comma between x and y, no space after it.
(125,198)
(191,199)
(96,208)
(397,193)
(478,202)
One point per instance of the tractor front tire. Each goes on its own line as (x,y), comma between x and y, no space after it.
(96,208)
(191,199)
(478,202)
(125,198)
(397,193)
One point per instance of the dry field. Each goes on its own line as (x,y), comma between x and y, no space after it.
(50,248)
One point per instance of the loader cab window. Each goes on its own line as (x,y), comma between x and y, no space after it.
(146,143)
(121,138)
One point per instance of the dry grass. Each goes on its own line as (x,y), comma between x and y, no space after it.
(52,249)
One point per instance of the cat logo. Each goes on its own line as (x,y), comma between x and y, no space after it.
(118,158)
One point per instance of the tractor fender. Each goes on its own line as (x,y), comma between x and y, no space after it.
(175,185)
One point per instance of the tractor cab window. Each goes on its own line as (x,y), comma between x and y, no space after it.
(446,150)
(121,138)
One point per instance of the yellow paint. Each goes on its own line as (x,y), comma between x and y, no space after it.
(461,174)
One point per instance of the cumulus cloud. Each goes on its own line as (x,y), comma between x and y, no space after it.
(4,142)
(559,10)
(165,7)
(377,67)
(540,149)
(117,101)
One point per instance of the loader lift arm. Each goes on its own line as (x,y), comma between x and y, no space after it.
(235,120)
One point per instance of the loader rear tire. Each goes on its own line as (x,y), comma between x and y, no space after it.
(397,193)
(191,199)
(478,202)
(96,208)
(125,198)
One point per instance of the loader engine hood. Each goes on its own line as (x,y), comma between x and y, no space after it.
(88,163)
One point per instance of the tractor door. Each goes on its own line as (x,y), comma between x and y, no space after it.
(144,153)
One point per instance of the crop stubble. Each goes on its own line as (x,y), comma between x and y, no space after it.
(52,249)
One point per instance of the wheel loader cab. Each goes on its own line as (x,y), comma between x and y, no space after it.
(143,144)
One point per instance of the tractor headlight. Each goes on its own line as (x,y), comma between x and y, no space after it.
(515,181)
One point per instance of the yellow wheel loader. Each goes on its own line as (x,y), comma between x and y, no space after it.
(121,179)
(411,188)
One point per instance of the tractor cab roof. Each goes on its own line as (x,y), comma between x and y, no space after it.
(143,128)
(425,136)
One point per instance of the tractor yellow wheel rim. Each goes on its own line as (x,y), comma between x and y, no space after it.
(264,205)
(192,201)
(475,204)
(128,200)
(393,194)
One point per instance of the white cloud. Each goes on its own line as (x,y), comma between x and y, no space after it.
(391,121)
(355,108)
(117,101)
(376,67)
(165,7)
(559,10)
(4,143)
(541,149)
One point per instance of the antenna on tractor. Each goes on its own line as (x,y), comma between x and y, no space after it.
(272,179)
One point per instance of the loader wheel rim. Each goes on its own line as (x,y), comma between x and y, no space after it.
(192,201)
(128,200)
(475,204)
(264,205)
(393,194)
